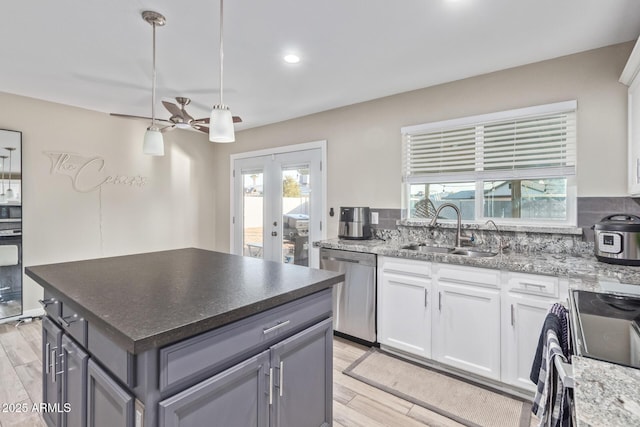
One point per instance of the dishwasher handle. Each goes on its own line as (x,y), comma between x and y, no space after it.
(353,261)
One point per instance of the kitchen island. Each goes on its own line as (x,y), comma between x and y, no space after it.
(186,337)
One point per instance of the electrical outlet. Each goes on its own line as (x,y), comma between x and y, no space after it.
(374,218)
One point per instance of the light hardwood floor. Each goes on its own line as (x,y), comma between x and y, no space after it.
(355,404)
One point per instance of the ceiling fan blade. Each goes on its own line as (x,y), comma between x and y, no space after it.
(173,108)
(129,116)
(167,128)
(237,119)
(186,116)
(201,128)
(199,121)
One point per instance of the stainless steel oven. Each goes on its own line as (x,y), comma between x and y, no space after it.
(606,327)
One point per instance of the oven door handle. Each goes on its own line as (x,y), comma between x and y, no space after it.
(565,372)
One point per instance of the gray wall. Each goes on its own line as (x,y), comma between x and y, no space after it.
(364,164)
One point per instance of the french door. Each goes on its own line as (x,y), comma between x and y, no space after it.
(278,204)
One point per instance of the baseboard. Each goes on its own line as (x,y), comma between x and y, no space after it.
(36,312)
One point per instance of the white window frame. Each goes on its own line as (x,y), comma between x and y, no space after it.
(438,178)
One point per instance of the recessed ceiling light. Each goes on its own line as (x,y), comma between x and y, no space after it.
(292,59)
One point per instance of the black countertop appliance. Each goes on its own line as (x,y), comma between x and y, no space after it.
(355,223)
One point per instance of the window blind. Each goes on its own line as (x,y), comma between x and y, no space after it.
(530,145)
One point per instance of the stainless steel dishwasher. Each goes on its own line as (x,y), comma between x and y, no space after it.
(354,300)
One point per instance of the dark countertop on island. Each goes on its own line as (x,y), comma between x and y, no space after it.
(149,300)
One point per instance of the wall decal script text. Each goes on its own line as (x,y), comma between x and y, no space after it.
(88,173)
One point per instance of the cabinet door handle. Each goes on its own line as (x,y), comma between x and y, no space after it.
(278,326)
(270,386)
(533,285)
(67,321)
(426,297)
(281,376)
(513,319)
(45,302)
(439,301)
(52,367)
(637,170)
(47,349)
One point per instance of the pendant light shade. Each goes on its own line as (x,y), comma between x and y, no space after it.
(221,121)
(153,142)
(221,125)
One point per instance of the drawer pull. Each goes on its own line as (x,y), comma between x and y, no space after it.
(67,321)
(278,326)
(534,285)
(45,302)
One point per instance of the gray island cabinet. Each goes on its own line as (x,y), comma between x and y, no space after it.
(186,338)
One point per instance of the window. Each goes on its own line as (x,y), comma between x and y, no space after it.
(514,166)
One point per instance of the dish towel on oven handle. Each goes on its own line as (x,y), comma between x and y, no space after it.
(552,401)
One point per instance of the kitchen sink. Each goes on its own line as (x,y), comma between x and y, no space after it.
(471,253)
(421,247)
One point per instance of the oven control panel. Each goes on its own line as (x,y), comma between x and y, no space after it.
(610,243)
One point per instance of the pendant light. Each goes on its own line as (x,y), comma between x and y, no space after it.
(221,121)
(3,196)
(153,142)
(9,190)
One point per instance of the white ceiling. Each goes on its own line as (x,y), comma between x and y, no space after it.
(96,54)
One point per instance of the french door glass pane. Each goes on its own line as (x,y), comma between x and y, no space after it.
(253,212)
(296,193)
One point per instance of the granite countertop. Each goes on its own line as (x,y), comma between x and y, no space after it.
(606,394)
(583,267)
(145,301)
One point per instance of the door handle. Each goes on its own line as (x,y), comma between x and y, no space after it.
(439,301)
(53,365)
(47,349)
(513,321)
(426,297)
(281,376)
(270,386)
(274,233)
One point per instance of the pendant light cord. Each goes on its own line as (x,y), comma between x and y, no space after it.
(221,52)
(153,89)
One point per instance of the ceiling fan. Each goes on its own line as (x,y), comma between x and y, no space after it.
(179,119)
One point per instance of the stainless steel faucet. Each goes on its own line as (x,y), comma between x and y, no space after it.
(459,237)
(502,243)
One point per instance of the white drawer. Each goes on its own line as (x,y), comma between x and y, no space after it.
(472,276)
(407,267)
(533,284)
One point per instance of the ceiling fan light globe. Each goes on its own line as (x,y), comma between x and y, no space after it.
(153,142)
(221,125)
(183,125)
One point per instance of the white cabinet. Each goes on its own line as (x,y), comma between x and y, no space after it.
(404,305)
(629,78)
(527,299)
(476,320)
(466,320)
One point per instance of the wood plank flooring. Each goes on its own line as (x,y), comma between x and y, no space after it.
(355,404)
(20,373)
